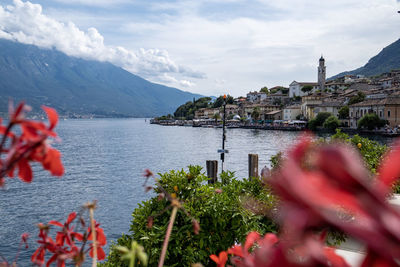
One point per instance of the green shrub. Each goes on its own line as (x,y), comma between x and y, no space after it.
(370,121)
(331,123)
(318,120)
(371,151)
(225,218)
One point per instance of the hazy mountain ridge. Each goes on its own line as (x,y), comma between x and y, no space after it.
(78,86)
(388,59)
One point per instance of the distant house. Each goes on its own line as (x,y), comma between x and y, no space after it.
(295,88)
(328,106)
(290,113)
(273,115)
(247,110)
(230,110)
(309,103)
(206,113)
(255,96)
(386,109)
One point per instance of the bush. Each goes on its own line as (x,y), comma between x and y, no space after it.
(331,123)
(371,151)
(318,120)
(344,112)
(225,218)
(370,121)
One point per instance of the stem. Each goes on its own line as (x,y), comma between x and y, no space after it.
(14,161)
(3,140)
(132,262)
(167,236)
(94,261)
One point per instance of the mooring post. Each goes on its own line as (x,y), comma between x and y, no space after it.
(253,165)
(212,170)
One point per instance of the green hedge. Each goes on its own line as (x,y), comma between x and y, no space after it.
(225,218)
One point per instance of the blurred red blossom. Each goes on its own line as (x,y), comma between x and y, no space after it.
(30,145)
(326,186)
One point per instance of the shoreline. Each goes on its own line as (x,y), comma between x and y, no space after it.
(241,125)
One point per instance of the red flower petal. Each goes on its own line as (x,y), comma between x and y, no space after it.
(389,170)
(334,259)
(250,240)
(214,258)
(25,171)
(52,162)
(52,115)
(237,251)
(71,217)
(101,238)
(51,260)
(101,255)
(56,223)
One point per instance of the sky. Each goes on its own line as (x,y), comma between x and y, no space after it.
(210,47)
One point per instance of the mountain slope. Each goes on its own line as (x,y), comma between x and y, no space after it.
(387,60)
(77,86)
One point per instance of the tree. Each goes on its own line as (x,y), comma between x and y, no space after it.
(216,117)
(256,113)
(370,121)
(357,98)
(220,101)
(331,123)
(187,110)
(318,120)
(344,112)
(306,88)
(264,90)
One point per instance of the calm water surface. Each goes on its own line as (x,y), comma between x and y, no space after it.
(104,160)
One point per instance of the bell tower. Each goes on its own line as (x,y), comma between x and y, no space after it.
(321,74)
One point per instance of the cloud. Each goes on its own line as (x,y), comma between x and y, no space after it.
(95,3)
(25,22)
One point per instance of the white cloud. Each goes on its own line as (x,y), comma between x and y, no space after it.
(24,22)
(277,47)
(96,3)
(271,43)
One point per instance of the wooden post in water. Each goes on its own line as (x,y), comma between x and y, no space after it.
(253,165)
(212,170)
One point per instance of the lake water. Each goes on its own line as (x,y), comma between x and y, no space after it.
(105,159)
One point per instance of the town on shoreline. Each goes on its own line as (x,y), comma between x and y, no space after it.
(358,103)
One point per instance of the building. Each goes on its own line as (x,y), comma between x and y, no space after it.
(321,74)
(206,113)
(332,107)
(247,110)
(230,110)
(273,115)
(392,110)
(358,110)
(255,96)
(295,88)
(309,103)
(290,113)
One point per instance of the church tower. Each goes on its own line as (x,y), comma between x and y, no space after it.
(321,74)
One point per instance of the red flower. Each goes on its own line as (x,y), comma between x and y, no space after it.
(67,235)
(101,241)
(221,259)
(30,145)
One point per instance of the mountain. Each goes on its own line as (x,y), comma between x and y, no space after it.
(77,86)
(387,60)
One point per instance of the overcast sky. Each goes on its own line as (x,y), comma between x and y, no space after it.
(210,47)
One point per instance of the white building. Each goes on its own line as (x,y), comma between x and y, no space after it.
(290,113)
(295,88)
